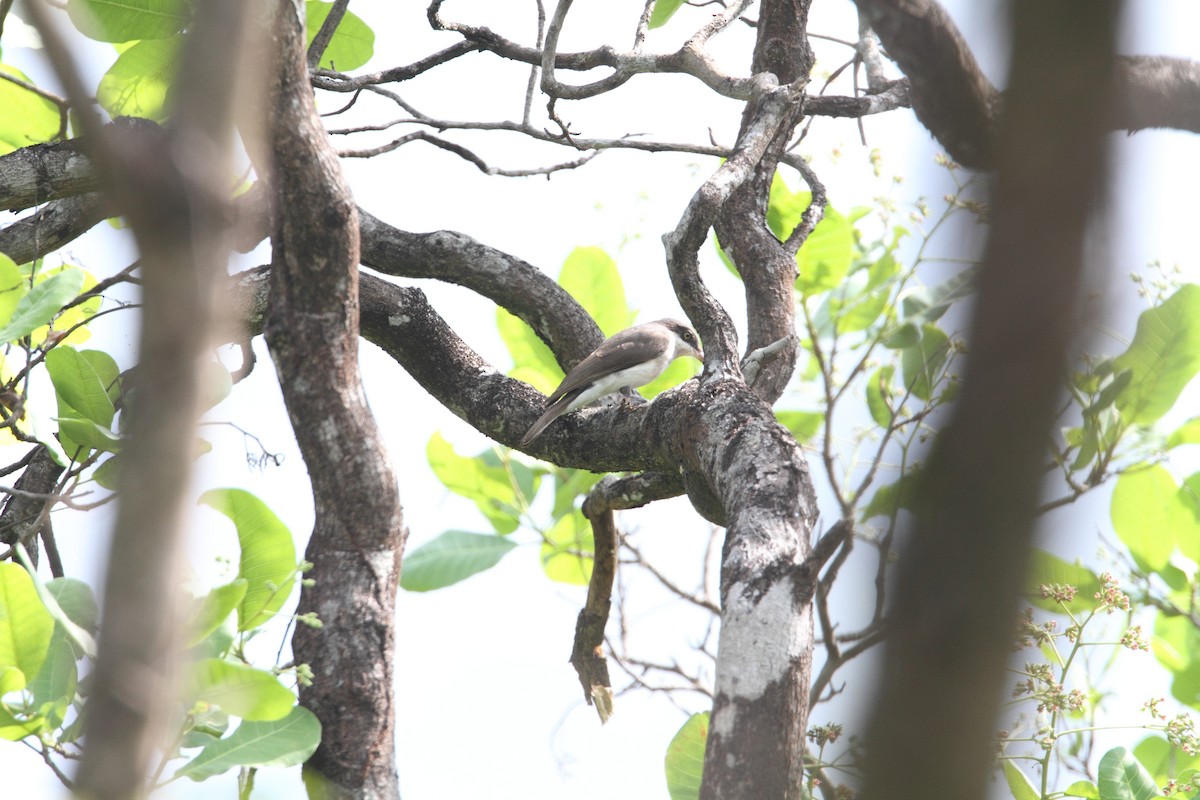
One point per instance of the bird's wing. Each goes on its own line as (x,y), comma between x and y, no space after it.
(625,349)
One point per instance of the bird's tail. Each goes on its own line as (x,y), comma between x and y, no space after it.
(553,411)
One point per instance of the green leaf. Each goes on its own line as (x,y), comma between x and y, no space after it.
(76,599)
(451,557)
(87,434)
(25,624)
(106,473)
(926,306)
(79,386)
(571,485)
(590,276)
(137,83)
(13,283)
(15,729)
(1187,433)
(54,686)
(1150,516)
(1176,642)
(216,608)
(42,302)
(879,396)
(268,560)
(802,424)
(922,363)
(567,550)
(127,20)
(1018,783)
(889,499)
(81,637)
(533,362)
(884,268)
(281,743)
(1046,568)
(785,207)
(684,761)
(860,310)
(1121,777)
(663,11)
(353,41)
(1085,789)
(473,478)
(28,118)
(825,257)
(1164,356)
(1162,759)
(242,691)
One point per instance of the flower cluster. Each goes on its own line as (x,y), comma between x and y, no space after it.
(1111,598)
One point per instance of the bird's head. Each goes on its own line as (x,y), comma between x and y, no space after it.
(687,343)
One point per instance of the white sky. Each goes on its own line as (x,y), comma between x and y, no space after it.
(487,704)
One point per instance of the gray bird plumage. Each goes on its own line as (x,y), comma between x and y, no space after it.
(630,358)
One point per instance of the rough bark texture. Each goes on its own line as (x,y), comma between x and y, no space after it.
(312,329)
(956,596)
(52,226)
(950,93)
(23,516)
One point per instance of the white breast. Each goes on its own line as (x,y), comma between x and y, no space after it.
(637,375)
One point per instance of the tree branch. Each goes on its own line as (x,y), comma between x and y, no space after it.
(312,329)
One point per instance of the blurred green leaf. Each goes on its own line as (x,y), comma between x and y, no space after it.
(41,303)
(923,362)
(1085,789)
(451,557)
(77,601)
(1046,568)
(590,276)
(215,608)
(879,396)
(684,762)
(127,20)
(89,435)
(280,743)
(889,499)
(802,424)
(1121,777)
(577,483)
(242,691)
(28,119)
(567,550)
(25,624)
(663,11)
(1149,515)
(489,487)
(533,362)
(13,286)
(137,83)
(1018,782)
(1164,356)
(1162,759)
(353,41)
(268,554)
(1187,433)
(54,686)
(824,258)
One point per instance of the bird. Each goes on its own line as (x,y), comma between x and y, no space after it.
(632,357)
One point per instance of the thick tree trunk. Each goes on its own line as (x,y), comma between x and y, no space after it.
(312,328)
